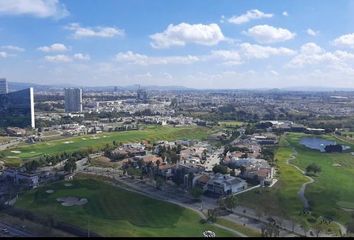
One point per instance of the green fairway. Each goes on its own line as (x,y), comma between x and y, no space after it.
(282,198)
(81,142)
(333,186)
(112,211)
(230,123)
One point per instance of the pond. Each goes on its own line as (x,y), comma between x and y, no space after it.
(319,143)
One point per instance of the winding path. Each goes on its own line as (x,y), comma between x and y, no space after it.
(301,192)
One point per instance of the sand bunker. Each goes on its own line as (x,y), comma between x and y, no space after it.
(49,191)
(84,139)
(95,137)
(68,142)
(16,152)
(336,165)
(67,184)
(12,157)
(72,201)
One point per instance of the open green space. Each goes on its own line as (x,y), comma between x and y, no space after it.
(333,185)
(250,232)
(71,144)
(230,123)
(112,211)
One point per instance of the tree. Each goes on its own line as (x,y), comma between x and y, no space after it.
(220,169)
(231,202)
(70,166)
(212,215)
(313,167)
(196,192)
(304,225)
(31,166)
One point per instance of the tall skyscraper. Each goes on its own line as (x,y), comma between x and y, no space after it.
(17,109)
(73,100)
(3,86)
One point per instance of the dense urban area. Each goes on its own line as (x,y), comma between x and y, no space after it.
(146,161)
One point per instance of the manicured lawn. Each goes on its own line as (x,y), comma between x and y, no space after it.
(231,123)
(282,198)
(238,227)
(112,211)
(333,185)
(81,142)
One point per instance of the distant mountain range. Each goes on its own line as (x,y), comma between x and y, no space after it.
(15,86)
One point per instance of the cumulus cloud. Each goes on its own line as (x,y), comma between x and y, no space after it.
(269,34)
(13,48)
(258,51)
(81,56)
(3,55)
(140,59)
(56,47)
(183,33)
(36,8)
(346,40)
(99,31)
(61,58)
(312,32)
(229,57)
(248,16)
(312,54)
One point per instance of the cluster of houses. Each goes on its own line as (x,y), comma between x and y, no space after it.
(194,164)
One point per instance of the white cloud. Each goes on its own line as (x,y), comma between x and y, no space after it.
(248,16)
(140,59)
(36,8)
(269,34)
(99,31)
(13,48)
(58,58)
(285,13)
(312,54)
(81,56)
(56,47)
(258,51)
(3,55)
(346,40)
(229,57)
(275,73)
(312,32)
(183,33)
(61,58)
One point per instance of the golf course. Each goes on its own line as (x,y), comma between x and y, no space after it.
(330,195)
(111,211)
(15,156)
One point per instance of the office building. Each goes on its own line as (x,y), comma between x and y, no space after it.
(73,100)
(3,86)
(17,109)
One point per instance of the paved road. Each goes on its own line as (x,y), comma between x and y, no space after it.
(14,231)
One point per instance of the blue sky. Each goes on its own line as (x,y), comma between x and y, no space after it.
(194,43)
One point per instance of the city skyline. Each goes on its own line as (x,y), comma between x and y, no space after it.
(218,44)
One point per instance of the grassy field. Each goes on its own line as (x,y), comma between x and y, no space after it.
(230,123)
(28,151)
(238,227)
(282,198)
(332,187)
(112,211)
(335,182)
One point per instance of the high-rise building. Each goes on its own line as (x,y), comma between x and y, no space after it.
(17,109)
(3,86)
(73,100)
